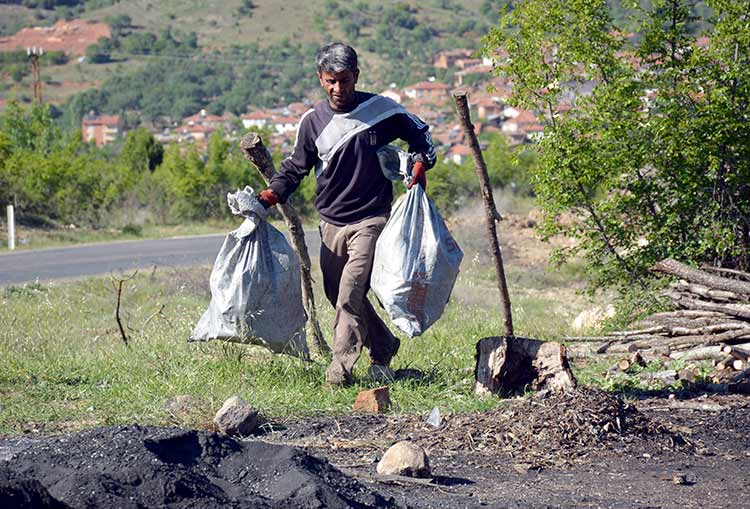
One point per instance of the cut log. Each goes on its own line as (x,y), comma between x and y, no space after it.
(739,365)
(509,365)
(709,293)
(256,152)
(740,352)
(688,374)
(708,329)
(675,268)
(635,359)
(667,376)
(686,302)
(688,313)
(727,272)
(724,363)
(640,332)
(699,354)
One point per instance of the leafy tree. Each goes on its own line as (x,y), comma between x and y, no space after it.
(141,152)
(655,162)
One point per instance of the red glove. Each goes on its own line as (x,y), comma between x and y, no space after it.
(268,198)
(419,175)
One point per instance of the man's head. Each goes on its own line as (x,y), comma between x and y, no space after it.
(338,74)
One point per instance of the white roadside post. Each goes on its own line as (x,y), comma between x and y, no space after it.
(11,228)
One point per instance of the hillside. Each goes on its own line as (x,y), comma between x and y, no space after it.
(168,59)
(230,35)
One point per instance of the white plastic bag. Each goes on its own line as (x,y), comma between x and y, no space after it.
(416,263)
(256,296)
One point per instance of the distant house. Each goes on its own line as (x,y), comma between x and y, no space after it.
(447,59)
(101,129)
(432,90)
(255,119)
(204,119)
(489,108)
(284,124)
(457,154)
(393,94)
(194,132)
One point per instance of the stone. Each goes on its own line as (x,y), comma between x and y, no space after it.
(236,417)
(405,458)
(374,401)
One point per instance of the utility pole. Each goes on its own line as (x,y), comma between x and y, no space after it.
(34,54)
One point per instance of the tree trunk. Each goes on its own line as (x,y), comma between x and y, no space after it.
(254,150)
(509,365)
(675,268)
(491,213)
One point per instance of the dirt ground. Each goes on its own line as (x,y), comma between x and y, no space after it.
(556,452)
(588,449)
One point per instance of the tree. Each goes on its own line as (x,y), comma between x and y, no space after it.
(655,161)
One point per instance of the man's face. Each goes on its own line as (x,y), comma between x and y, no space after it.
(339,87)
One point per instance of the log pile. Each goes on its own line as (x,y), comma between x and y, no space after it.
(710,322)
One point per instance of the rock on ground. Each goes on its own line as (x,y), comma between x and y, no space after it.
(236,417)
(374,401)
(133,467)
(405,458)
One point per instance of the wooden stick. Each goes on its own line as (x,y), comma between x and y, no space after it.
(491,214)
(117,283)
(252,147)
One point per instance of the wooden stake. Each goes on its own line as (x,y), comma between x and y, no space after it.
(255,152)
(117,283)
(491,213)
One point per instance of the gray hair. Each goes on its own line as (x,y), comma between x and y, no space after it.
(336,57)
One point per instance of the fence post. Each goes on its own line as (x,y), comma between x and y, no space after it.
(11,228)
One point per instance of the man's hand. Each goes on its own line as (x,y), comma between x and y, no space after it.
(419,175)
(268,198)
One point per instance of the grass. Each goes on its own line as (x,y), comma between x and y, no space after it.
(64,366)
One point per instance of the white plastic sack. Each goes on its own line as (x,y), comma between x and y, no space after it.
(256,296)
(416,264)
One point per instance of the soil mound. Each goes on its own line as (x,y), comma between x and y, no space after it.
(135,467)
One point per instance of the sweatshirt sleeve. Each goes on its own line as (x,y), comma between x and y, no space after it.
(296,167)
(417,134)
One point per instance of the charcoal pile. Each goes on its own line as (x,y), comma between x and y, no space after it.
(134,467)
(710,322)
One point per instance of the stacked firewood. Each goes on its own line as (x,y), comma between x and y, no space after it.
(711,322)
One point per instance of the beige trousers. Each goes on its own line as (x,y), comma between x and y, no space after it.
(346,256)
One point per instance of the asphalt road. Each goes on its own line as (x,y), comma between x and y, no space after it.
(93,259)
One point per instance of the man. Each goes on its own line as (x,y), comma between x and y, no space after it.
(339,137)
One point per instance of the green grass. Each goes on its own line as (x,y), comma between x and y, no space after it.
(64,366)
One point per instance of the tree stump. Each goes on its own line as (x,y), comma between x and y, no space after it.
(508,365)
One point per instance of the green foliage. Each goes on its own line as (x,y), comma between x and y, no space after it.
(654,162)
(196,188)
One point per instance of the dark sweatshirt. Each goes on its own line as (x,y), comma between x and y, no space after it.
(342,148)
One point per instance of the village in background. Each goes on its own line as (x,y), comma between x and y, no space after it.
(429,99)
